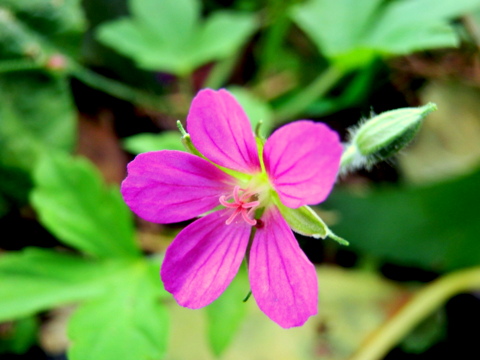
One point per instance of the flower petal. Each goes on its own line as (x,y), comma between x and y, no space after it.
(302,160)
(171,186)
(203,259)
(284,282)
(220,130)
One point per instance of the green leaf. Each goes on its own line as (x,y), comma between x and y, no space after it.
(168,140)
(20,337)
(222,35)
(129,321)
(339,34)
(76,206)
(171,22)
(226,314)
(169,36)
(362,30)
(35,280)
(256,109)
(434,227)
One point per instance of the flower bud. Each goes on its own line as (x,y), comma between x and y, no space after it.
(383,135)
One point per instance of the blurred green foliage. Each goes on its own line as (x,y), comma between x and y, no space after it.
(378,27)
(169,35)
(19,336)
(432,227)
(35,28)
(74,204)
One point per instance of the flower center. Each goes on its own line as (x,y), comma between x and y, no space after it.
(242,205)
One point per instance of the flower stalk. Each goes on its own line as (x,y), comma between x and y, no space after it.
(306,97)
(421,305)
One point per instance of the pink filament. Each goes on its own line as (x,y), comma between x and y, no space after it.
(241,206)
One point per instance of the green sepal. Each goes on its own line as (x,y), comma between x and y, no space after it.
(305,221)
(187,140)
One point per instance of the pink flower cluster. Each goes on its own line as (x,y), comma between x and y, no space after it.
(235,188)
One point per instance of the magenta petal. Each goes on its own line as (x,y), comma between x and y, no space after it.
(220,130)
(203,259)
(172,186)
(283,280)
(302,160)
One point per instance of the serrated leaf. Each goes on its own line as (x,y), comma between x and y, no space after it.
(35,280)
(434,227)
(330,33)
(172,22)
(362,30)
(226,314)
(130,40)
(129,321)
(79,209)
(222,34)
(168,140)
(168,35)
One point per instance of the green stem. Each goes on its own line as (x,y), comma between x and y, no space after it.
(273,38)
(118,89)
(221,72)
(348,156)
(302,100)
(185,86)
(7,66)
(418,308)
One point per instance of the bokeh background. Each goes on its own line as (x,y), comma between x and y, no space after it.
(87,85)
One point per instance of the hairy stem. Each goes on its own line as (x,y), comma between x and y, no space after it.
(118,89)
(221,72)
(306,97)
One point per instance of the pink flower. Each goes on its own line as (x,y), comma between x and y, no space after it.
(243,185)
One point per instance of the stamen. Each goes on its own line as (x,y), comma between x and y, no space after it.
(250,204)
(249,221)
(235,194)
(233,216)
(241,205)
(223,201)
